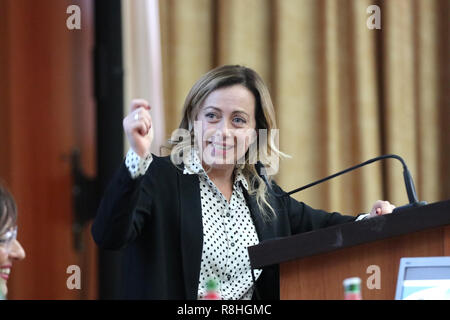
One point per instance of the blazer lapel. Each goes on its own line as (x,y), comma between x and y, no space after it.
(263,228)
(191,229)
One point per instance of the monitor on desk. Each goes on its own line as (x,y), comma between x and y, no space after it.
(426,278)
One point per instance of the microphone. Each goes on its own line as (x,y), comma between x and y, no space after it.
(409,183)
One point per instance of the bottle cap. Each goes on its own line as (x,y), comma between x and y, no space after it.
(351,281)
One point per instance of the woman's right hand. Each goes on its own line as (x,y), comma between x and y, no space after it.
(138,127)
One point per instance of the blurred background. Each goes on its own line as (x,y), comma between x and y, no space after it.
(343,93)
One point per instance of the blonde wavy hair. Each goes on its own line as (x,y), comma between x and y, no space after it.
(267,153)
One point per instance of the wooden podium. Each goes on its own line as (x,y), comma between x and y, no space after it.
(314,264)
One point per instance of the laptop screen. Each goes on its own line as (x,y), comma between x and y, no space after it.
(423,279)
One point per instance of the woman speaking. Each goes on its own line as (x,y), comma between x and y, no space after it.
(187,219)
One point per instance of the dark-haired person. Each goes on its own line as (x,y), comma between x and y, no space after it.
(10,248)
(188,218)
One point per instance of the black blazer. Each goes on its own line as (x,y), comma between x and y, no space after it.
(157,220)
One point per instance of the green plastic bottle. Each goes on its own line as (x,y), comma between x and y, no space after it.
(212,290)
(352,289)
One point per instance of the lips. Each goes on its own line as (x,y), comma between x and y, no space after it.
(220,145)
(219,148)
(4,272)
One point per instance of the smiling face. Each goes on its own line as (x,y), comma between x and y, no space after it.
(10,251)
(228,124)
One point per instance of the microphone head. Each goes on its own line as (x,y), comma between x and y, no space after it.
(260,169)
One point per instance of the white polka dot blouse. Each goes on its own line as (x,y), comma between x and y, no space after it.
(228,230)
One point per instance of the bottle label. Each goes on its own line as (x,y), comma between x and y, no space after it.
(353,296)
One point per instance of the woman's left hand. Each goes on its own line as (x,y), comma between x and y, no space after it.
(381,207)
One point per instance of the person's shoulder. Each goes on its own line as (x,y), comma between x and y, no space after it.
(276,188)
(277,193)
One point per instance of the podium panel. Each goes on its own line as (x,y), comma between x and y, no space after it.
(321,276)
(314,264)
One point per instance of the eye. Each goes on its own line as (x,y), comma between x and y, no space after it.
(6,237)
(240,120)
(210,116)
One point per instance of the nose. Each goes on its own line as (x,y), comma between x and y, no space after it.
(16,252)
(223,131)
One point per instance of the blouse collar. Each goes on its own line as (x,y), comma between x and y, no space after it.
(193,165)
